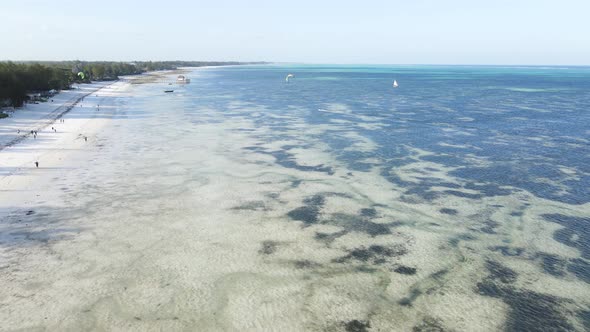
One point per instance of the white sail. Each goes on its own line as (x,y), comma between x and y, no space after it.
(395,85)
(288,77)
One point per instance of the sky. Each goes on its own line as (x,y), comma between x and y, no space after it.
(524,32)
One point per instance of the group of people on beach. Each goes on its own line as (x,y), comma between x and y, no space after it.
(34,133)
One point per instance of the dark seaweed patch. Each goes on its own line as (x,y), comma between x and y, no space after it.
(489,189)
(305,264)
(365,269)
(552,264)
(424,193)
(580,268)
(400,223)
(500,272)
(405,270)
(523,176)
(489,288)
(573,227)
(454,241)
(448,211)
(376,254)
(309,214)
(253,206)
(357,326)
(380,261)
(528,311)
(368,212)
(438,275)
(285,159)
(329,237)
(508,251)
(424,189)
(429,324)
(268,247)
(315,200)
(490,226)
(408,300)
(463,194)
(584,316)
(353,223)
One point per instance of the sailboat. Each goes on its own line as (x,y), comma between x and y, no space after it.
(395,85)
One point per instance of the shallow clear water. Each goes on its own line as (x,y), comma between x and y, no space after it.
(458,201)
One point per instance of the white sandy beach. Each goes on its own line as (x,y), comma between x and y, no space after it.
(84,110)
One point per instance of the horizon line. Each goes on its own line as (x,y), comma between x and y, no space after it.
(320,63)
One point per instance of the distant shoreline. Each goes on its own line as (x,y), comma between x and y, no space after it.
(20,79)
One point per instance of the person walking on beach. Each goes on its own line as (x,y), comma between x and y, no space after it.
(37,164)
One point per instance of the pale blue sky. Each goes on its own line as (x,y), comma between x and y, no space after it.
(370,31)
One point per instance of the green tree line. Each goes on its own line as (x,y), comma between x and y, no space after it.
(18,79)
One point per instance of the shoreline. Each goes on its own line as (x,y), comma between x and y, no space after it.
(46,113)
(56,142)
(49,118)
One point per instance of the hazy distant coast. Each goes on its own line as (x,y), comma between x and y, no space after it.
(18,80)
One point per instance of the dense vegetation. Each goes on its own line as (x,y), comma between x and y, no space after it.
(18,79)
